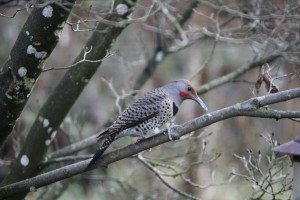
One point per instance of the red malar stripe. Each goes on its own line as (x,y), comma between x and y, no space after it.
(183,94)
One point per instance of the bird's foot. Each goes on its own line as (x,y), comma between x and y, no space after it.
(172,136)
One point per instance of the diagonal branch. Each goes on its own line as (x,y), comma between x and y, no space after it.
(237,73)
(80,145)
(159,176)
(251,108)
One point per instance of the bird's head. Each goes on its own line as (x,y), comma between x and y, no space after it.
(180,90)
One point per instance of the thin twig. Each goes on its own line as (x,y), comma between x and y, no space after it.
(84,59)
(158,175)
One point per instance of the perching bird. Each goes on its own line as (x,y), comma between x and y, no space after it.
(148,113)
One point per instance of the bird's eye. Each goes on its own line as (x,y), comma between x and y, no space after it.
(189,89)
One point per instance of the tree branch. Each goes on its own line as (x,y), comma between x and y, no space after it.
(80,145)
(237,73)
(75,147)
(160,177)
(249,107)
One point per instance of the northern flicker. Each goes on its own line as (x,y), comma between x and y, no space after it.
(148,113)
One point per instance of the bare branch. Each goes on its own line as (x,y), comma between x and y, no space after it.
(250,107)
(117,95)
(159,176)
(84,59)
(229,10)
(206,61)
(265,182)
(66,159)
(14,14)
(78,146)
(237,73)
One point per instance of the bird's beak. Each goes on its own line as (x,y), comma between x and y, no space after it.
(198,100)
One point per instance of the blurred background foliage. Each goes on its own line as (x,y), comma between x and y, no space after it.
(206,156)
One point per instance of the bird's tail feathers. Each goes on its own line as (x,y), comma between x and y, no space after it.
(102,149)
(108,132)
(103,134)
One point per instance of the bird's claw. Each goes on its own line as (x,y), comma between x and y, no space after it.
(170,133)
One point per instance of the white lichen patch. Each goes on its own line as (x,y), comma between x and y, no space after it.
(28,83)
(46,123)
(53,134)
(58,32)
(40,118)
(47,142)
(31,49)
(27,33)
(40,55)
(122,9)
(32,189)
(49,130)
(159,56)
(22,71)
(47,11)
(37,54)
(61,25)
(24,160)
